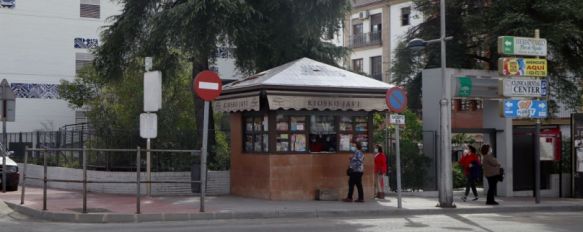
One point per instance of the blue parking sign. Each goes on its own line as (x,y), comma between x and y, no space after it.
(515,108)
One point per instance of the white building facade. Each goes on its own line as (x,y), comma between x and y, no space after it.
(45,41)
(373,30)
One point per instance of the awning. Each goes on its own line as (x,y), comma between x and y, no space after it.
(249,103)
(344,103)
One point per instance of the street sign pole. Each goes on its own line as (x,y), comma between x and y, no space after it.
(204,154)
(398,164)
(148,168)
(4,138)
(537,150)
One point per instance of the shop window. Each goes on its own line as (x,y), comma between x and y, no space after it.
(353,129)
(291,133)
(256,136)
(323,133)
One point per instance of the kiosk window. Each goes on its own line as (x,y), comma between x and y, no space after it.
(353,129)
(322,133)
(291,133)
(256,134)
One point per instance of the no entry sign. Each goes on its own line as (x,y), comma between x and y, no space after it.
(207,85)
(396,99)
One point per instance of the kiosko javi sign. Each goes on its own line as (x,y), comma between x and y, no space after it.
(522,67)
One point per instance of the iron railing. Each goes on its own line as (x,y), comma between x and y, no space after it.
(366,39)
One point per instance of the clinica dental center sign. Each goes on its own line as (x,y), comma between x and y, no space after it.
(523,87)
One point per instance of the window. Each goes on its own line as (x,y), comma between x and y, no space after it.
(357,65)
(82,59)
(405,16)
(322,133)
(291,133)
(357,29)
(376,67)
(353,129)
(90,9)
(256,137)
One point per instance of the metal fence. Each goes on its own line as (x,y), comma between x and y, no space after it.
(80,135)
(43,154)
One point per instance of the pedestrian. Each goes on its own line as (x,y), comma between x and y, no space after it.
(355,173)
(380,170)
(471,165)
(491,168)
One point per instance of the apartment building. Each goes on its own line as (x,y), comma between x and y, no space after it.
(45,41)
(373,31)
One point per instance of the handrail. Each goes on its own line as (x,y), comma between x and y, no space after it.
(85,181)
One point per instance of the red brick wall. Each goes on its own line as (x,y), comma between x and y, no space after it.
(290,176)
(467,119)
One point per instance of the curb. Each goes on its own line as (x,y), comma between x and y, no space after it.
(172,217)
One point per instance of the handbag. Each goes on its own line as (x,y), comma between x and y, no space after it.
(349,171)
(501,175)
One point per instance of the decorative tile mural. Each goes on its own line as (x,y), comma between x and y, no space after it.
(86,43)
(42,91)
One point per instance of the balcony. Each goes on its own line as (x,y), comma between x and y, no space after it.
(366,39)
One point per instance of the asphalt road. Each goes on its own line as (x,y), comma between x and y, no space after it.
(531,222)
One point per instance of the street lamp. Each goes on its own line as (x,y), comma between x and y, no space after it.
(445,180)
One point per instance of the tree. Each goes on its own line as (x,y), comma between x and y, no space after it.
(475,26)
(264,33)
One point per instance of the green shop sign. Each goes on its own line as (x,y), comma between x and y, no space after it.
(465,86)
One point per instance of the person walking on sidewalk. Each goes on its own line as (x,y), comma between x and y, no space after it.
(491,171)
(380,170)
(471,165)
(355,173)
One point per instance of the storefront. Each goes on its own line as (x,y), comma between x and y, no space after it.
(292,126)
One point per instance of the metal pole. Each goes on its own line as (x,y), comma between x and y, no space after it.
(4,153)
(537,151)
(148,168)
(203,155)
(23,182)
(138,170)
(446,183)
(84,155)
(398,154)
(44,180)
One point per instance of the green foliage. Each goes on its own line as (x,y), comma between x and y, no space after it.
(475,26)
(413,162)
(461,139)
(459,179)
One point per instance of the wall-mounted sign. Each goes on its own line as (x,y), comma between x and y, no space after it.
(86,43)
(510,45)
(522,67)
(514,108)
(465,87)
(523,87)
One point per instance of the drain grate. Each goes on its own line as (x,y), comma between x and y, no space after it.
(91,210)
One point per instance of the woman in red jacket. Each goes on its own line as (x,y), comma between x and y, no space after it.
(471,165)
(380,170)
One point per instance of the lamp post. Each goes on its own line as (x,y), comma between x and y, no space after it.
(445,180)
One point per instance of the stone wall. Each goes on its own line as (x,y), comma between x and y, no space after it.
(218,182)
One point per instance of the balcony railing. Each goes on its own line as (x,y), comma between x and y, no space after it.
(365,39)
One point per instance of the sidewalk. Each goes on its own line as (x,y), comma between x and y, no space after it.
(106,208)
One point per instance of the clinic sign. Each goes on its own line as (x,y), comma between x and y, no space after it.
(530,67)
(514,108)
(523,87)
(522,46)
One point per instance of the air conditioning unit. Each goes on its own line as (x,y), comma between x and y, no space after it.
(363,14)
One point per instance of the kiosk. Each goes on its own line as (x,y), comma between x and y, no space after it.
(291,129)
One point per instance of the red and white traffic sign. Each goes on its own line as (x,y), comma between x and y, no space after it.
(207,85)
(396,99)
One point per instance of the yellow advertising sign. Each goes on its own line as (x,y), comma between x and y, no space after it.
(525,67)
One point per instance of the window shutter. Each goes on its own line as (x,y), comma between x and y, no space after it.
(90,9)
